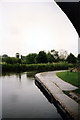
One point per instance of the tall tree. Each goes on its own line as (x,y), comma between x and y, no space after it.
(71,58)
(55,55)
(42,57)
(50,57)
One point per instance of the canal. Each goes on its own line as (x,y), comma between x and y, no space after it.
(21,98)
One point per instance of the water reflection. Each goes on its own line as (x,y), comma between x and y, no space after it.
(22,98)
(31,74)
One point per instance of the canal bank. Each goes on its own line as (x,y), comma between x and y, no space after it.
(54,87)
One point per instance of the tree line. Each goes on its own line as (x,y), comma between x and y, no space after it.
(41,57)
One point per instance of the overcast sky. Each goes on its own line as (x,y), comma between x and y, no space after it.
(32,27)
(67,0)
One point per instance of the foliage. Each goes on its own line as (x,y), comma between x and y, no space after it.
(41,57)
(23,59)
(55,55)
(30,67)
(10,60)
(78,58)
(31,58)
(4,56)
(70,65)
(71,58)
(50,57)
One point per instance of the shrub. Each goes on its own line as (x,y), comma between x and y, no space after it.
(32,67)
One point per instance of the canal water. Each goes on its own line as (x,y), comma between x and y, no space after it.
(21,98)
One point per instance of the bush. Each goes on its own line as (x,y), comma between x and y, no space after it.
(32,67)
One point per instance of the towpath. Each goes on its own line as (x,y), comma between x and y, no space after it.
(56,86)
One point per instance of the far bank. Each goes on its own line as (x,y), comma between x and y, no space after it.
(36,67)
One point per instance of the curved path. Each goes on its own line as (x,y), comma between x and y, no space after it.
(51,76)
(56,86)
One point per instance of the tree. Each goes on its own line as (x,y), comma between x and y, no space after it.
(55,55)
(71,58)
(11,60)
(8,60)
(50,57)
(4,56)
(42,57)
(78,58)
(23,59)
(31,58)
(63,55)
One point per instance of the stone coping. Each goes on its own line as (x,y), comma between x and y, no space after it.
(56,86)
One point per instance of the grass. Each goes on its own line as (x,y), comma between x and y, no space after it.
(71,77)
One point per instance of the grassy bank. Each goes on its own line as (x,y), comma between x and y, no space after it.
(37,67)
(71,77)
(74,79)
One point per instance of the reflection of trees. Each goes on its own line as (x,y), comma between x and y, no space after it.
(7,74)
(31,74)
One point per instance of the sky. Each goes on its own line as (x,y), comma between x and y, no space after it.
(29,27)
(67,0)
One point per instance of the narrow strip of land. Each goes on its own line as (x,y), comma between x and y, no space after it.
(56,86)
